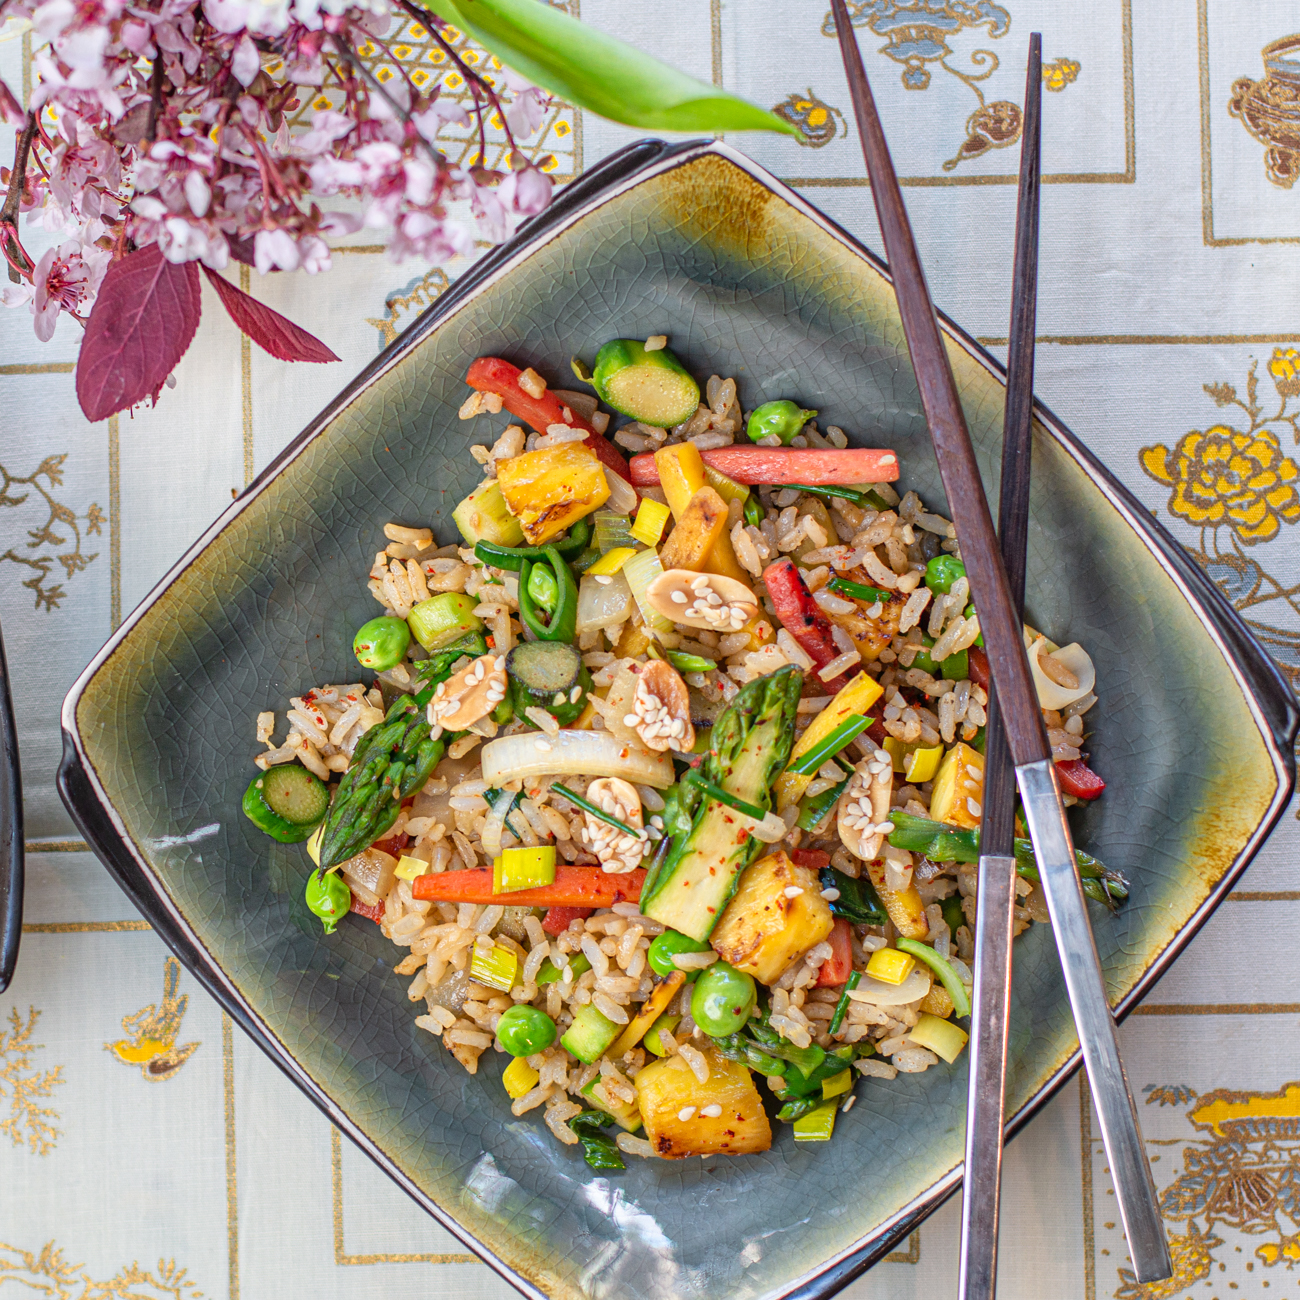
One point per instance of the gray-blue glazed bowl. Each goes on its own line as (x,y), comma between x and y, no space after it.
(748,280)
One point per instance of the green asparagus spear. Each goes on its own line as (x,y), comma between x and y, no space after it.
(391,761)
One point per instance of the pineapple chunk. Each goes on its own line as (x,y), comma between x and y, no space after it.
(666,1090)
(763,931)
(904,906)
(551,489)
(870,635)
(958,793)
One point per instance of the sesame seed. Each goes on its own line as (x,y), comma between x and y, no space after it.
(792,891)
(972,807)
(848,1105)
(678,597)
(603,578)
(686,1112)
(885,828)
(541,746)
(712,1111)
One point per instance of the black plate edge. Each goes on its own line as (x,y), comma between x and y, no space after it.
(11,832)
(1262,683)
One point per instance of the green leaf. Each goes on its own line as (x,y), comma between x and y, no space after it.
(590,70)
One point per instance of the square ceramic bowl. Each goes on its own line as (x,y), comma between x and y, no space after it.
(748,280)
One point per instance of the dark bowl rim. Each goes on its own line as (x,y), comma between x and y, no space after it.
(1271,700)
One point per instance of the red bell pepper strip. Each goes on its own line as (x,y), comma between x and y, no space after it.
(573,887)
(816,466)
(838,966)
(495,375)
(977,664)
(1078,779)
(803,618)
(558,919)
(813,859)
(393,845)
(358,908)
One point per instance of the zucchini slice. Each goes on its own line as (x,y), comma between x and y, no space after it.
(548,675)
(653,387)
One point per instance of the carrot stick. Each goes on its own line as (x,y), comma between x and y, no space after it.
(496,375)
(820,467)
(572,887)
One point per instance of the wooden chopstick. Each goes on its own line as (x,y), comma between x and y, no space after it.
(995,911)
(1117,1118)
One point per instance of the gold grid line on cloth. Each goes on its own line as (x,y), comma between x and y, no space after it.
(232,1185)
(1217,1009)
(1207,174)
(56,846)
(912,1255)
(341,1256)
(1143,340)
(715,33)
(85,927)
(39,368)
(1127,177)
(1085,1175)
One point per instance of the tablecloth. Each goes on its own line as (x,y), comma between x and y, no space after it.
(186,1165)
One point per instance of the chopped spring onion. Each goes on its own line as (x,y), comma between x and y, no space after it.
(611,562)
(818,1124)
(941,967)
(858,591)
(685,663)
(837,1085)
(640,571)
(599,813)
(842,1006)
(859,497)
(612,531)
(848,730)
(727,488)
(938,1035)
(717,793)
(496,967)
(550,972)
(818,808)
(650,521)
(524,869)
(500,803)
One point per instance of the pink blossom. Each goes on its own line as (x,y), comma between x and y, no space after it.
(275,250)
(66,278)
(526,192)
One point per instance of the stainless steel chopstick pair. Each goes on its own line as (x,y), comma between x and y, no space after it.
(1017,739)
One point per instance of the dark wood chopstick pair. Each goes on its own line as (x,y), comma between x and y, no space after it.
(1018,753)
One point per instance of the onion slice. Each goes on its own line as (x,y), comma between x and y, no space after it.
(1052,695)
(574,753)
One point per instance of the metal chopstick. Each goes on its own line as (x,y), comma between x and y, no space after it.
(986,1094)
(1018,701)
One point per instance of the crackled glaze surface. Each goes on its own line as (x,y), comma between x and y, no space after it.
(746,283)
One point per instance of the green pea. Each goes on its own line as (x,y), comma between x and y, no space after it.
(524,1030)
(543,588)
(381,644)
(753,510)
(783,418)
(666,945)
(328,897)
(723,999)
(942,572)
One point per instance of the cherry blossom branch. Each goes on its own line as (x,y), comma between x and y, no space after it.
(13,198)
(155,97)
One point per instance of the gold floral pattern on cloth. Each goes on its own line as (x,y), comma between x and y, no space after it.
(1270,109)
(411,52)
(61,527)
(818,121)
(417,295)
(47,1274)
(1242,1175)
(1238,487)
(151,1032)
(23,1086)
(917,34)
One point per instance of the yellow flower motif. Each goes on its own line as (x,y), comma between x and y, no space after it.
(1060,73)
(1224,476)
(1285,369)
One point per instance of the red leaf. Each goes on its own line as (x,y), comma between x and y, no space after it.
(142,321)
(272,332)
